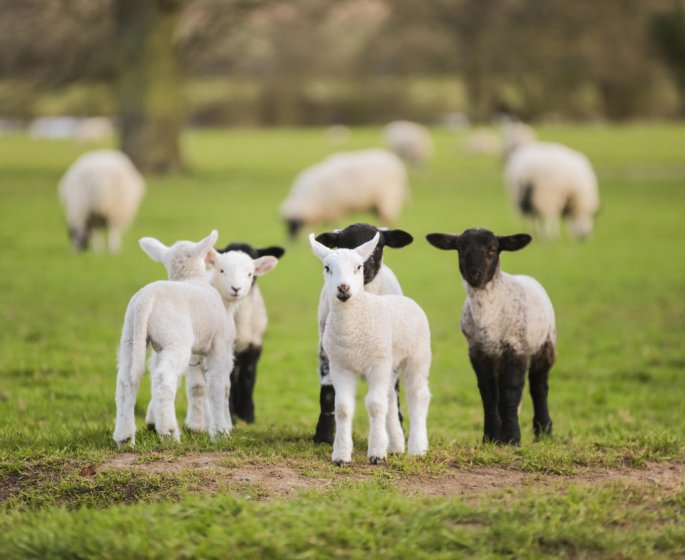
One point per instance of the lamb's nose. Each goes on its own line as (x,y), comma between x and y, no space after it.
(344,288)
(235,290)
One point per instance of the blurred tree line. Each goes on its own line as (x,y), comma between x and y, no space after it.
(157,64)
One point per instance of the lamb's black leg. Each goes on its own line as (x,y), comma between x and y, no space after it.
(325,427)
(485,368)
(234,394)
(246,382)
(399,404)
(512,378)
(538,375)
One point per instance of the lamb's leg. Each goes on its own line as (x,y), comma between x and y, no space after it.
(511,381)
(415,379)
(172,361)
(397,398)
(150,413)
(126,393)
(246,381)
(234,392)
(393,422)
(380,382)
(113,239)
(345,384)
(484,366)
(325,427)
(219,364)
(538,375)
(196,393)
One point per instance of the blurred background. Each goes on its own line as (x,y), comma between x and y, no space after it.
(156,66)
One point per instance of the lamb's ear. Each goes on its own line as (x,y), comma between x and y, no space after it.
(396,238)
(513,242)
(329,239)
(366,250)
(444,241)
(319,249)
(153,248)
(202,246)
(212,257)
(277,252)
(262,265)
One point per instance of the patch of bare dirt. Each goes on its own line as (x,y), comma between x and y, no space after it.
(284,480)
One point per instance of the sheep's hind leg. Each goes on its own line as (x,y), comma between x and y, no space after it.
(219,366)
(345,384)
(511,381)
(196,394)
(170,364)
(380,383)
(325,427)
(484,366)
(538,375)
(246,382)
(126,392)
(415,380)
(393,423)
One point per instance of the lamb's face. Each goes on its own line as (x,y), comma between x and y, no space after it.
(343,268)
(479,251)
(343,274)
(234,272)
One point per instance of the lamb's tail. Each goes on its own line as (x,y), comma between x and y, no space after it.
(133,345)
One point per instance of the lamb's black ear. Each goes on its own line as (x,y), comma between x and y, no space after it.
(443,241)
(396,238)
(329,239)
(274,251)
(513,242)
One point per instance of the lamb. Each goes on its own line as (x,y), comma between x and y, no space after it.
(373,336)
(100,191)
(409,140)
(378,279)
(366,180)
(251,321)
(509,324)
(179,319)
(548,181)
(241,267)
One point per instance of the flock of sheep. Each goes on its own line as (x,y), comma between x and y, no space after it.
(208,324)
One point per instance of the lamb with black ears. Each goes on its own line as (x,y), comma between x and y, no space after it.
(509,324)
(379,279)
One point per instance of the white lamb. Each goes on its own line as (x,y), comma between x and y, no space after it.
(366,180)
(409,140)
(373,336)
(239,270)
(378,279)
(549,181)
(100,191)
(509,324)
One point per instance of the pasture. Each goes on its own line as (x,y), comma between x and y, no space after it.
(609,483)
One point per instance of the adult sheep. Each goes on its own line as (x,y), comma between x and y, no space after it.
(367,180)
(100,191)
(409,140)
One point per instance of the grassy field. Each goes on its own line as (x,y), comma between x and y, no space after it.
(608,484)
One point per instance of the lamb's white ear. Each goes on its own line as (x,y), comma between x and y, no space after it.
(319,249)
(262,265)
(367,249)
(209,241)
(153,248)
(212,257)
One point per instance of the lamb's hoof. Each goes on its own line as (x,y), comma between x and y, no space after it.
(376,460)
(125,441)
(325,429)
(171,436)
(150,426)
(542,429)
(196,427)
(341,463)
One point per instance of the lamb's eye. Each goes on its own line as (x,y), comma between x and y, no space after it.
(326,269)
(222,271)
(249,275)
(359,268)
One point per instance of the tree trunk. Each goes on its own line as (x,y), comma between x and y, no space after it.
(149,85)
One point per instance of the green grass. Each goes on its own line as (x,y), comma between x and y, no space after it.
(616,393)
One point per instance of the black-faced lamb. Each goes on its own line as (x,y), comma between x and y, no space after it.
(379,279)
(509,324)
(362,181)
(101,191)
(375,337)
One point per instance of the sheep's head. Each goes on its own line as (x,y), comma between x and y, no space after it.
(235,271)
(248,249)
(479,251)
(343,268)
(184,259)
(357,234)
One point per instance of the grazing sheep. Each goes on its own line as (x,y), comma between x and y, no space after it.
(100,191)
(548,182)
(374,337)
(366,180)
(409,140)
(240,266)
(250,322)
(509,324)
(378,279)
